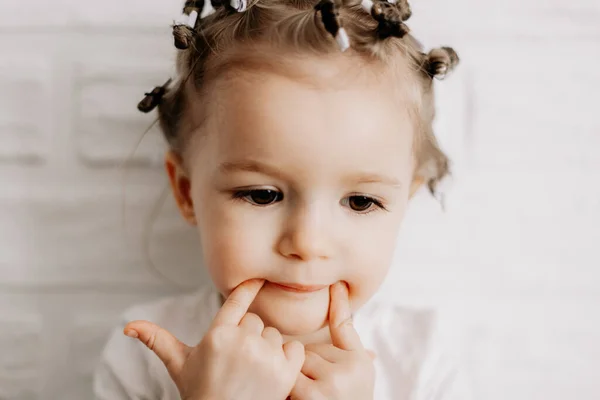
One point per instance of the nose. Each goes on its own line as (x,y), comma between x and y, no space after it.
(305,235)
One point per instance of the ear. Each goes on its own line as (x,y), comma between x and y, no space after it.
(416,185)
(180,185)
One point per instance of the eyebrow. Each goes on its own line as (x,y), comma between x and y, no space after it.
(251,166)
(261,168)
(375,178)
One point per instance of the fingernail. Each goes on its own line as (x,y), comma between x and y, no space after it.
(132,334)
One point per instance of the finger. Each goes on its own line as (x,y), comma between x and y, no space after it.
(169,350)
(252,323)
(315,367)
(305,388)
(294,352)
(343,334)
(333,354)
(238,302)
(273,336)
(327,351)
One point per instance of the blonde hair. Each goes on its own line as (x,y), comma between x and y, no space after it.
(227,39)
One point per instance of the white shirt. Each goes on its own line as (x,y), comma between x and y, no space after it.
(408,364)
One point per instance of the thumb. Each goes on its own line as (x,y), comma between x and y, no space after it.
(294,352)
(171,351)
(304,388)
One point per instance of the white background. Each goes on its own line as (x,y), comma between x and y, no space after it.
(512,265)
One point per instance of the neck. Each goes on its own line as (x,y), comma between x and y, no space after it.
(321,336)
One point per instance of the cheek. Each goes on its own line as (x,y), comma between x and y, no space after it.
(369,270)
(371,258)
(234,250)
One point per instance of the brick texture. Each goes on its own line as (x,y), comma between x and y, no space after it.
(511,265)
(26,87)
(20,367)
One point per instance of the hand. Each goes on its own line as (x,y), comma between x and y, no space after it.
(238,358)
(342,370)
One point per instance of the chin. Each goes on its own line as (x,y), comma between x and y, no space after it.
(290,315)
(297,327)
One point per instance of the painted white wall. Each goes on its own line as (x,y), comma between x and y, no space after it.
(512,265)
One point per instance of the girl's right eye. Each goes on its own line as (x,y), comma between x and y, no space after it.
(259,197)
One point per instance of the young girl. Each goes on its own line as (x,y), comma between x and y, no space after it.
(298,131)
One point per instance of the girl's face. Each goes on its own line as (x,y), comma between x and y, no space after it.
(303,183)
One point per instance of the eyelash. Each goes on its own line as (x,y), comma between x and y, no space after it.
(379,206)
(244,196)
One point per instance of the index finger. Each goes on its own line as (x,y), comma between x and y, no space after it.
(238,302)
(343,334)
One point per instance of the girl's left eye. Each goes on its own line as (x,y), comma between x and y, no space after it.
(259,197)
(362,204)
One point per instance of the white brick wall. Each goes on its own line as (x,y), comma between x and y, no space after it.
(512,264)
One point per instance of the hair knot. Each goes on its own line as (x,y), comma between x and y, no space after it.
(154,98)
(331,20)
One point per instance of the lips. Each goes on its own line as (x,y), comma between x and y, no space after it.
(298,288)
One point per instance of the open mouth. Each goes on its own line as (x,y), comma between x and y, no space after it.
(298,288)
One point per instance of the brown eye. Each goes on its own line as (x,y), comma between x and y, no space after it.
(360,203)
(261,197)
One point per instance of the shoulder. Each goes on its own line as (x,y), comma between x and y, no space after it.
(127,369)
(402,335)
(413,357)
(402,331)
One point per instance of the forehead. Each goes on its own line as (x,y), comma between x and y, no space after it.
(318,114)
